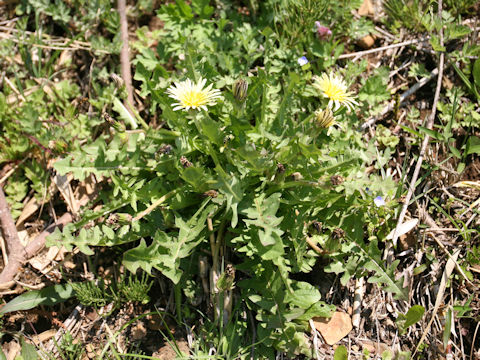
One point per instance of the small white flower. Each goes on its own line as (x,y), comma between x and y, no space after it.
(379,202)
(192,96)
(302,61)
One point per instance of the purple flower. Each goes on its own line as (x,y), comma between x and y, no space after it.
(323,32)
(302,61)
(379,201)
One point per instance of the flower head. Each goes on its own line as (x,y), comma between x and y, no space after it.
(323,32)
(324,118)
(191,95)
(302,61)
(379,202)
(334,88)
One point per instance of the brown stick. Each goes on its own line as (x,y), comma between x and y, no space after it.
(391,46)
(10,234)
(39,242)
(19,254)
(125,53)
(426,140)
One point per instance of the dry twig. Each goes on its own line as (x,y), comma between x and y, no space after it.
(16,251)
(426,140)
(125,53)
(386,47)
(357,302)
(20,254)
(438,301)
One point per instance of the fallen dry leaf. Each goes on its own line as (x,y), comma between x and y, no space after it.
(44,336)
(335,328)
(407,241)
(404,228)
(366,8)
(366,42)
(166,352)
(63,184)
(374,347)
(139,331)
(12,349)
(41,261)
(28,210)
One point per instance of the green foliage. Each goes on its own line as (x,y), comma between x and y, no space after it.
(94,18)
(239,157)
(67,349)
(50,295)
(261,179)
(341,353)
(294,20)
(374,90)
(460,7)
(166,250)
(448,327)
(41,111)
(386,138)
(28,351)
(413,315)
(387,355)
(411,14)
(354,258)
(284,309)
(98,293)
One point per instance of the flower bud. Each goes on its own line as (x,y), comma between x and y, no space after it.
(240,88)
(184,161)
(226,280)
(323,32)
(119,83)
(115,124)
(324,118)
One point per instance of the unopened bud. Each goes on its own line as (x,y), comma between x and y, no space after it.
(117,219)
(337,180)
(297,176)
(184,161)
(57,145)
(226,280)
(324,118)
(323,32)
(119,83)
(124,218)
(114,123)
(240,88)
(202,266)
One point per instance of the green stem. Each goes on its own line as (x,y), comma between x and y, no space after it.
(155,205)
(137,117)
(178,302)
(291,184)
(169,133)
(211,152)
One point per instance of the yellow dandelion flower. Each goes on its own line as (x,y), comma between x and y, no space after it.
(334,88)
(192,96)
(324,118)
